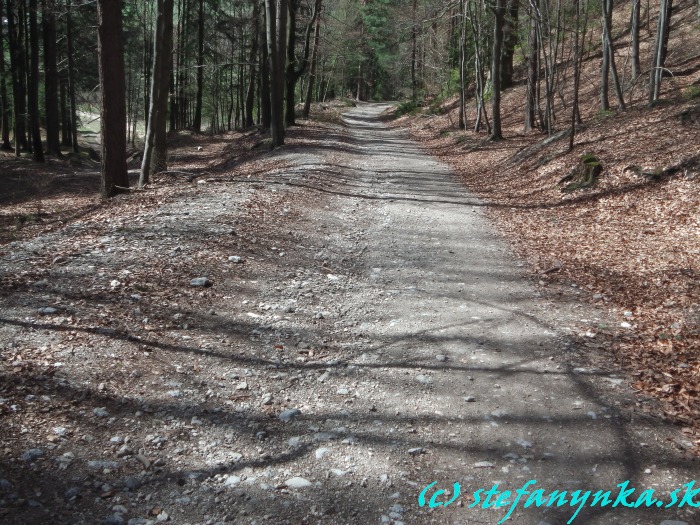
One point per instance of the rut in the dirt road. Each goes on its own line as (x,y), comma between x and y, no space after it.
(366,334)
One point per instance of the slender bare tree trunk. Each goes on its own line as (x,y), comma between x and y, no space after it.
(414,43)
(462,60)
(608,65)
(313,67)
(532,67)
(660,47)
(634,35)
(579,40)
(499,15)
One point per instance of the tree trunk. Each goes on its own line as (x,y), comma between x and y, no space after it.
(660,48)
(414,45)
(533,68)
(110,50)
(510,40)
(265,108)
(147,64)
(499,15)
(4,103)
(290,78)
(294,73)
(634,35)
(66,136)
(252,78)
(578,42)
(197,124)
(462,59)
(53,139)
(71,78)
(159,160)
(15,33)
(155,92)
(276,21)
(33,98)
(608,64)
(475,19)
(605,65)
(313,67)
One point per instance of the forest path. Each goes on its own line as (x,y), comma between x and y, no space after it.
(366,332)
(464,359)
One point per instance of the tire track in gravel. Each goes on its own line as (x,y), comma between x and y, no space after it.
(455,368)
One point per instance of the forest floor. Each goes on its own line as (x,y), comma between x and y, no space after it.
(310,335)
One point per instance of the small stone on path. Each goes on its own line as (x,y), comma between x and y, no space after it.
(298,483)
(47,310)
(288,415)
(33,454)
(202,282)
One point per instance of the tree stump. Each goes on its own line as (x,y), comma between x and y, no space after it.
(585,175)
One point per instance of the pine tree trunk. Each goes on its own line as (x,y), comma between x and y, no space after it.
(4,102)
(147,64)
(110,50)
(34,79)
(159,161)
(155,92)
(265,108)
(66,135)
(53,139)
(197,124)
(252,77)
(71,78)
(15,31)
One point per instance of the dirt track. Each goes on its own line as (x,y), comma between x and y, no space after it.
(374,298)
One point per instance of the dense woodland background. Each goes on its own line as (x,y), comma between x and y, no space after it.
(217,65)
